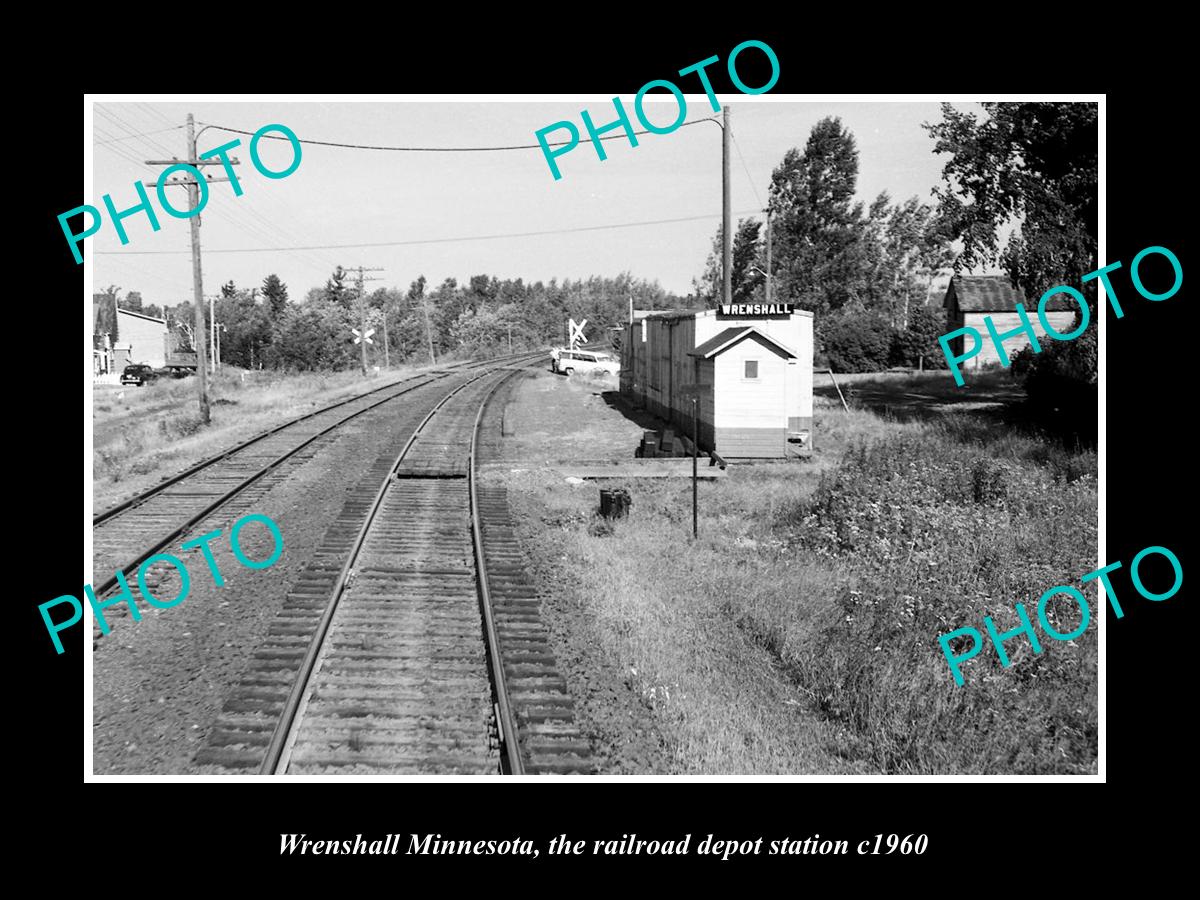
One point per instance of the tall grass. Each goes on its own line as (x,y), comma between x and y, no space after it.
(933,534)
(799,633)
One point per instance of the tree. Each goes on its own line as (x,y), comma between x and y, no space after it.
(1032,163)
(336,289)
(247,326)
(446,303)
(917,344)
(314,336)
(133,301)
(276,294)
(744,254)
(816,226)
(180,319)
(106,314)
(855,339)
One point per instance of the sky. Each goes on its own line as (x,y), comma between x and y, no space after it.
(343,196)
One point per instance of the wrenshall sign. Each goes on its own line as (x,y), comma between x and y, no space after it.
(753,310)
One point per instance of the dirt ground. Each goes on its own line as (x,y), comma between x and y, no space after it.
(143,435)
(158,684)
(665,682)
(548,419)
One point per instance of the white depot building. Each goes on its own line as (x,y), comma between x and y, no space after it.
(750,366)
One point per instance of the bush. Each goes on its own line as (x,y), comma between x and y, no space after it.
(1061,388)
(920,340)
(855,340)
(937,535)
(180,425)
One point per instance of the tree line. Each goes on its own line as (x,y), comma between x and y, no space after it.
(263,328)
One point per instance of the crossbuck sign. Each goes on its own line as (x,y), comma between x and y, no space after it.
(577,333)
(366,337)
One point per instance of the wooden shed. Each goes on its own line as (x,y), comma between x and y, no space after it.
(972,298)
(750,365)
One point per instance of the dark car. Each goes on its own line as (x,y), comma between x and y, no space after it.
(139,374)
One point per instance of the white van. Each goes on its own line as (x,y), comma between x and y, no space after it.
(568,362)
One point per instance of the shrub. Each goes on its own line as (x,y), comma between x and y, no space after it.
(855,340)
(1061,386)
(180,425)
(920,340)
(939,534)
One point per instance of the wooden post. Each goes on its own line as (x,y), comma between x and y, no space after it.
(768,212)
(387,355)
(727,236)
(695,474)
(193,190)
(839,390)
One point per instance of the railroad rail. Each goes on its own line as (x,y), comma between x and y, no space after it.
(412,641)
(127,534)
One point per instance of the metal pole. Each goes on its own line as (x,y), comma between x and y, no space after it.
(768,211)
(695,464)
(726,228)
(197,282)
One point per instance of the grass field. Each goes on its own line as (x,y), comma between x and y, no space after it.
(141,435)
(799,633)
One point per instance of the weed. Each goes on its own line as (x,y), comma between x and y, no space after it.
(180,425)
(941,534)
(600,527)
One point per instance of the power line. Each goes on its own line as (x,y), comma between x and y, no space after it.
(264,230)
(738,147)
(140,134)
(273,137)
(477,237)
(154,111)
(112,118)
(122,152)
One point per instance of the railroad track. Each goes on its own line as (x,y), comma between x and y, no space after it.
(411,643)
(129,533)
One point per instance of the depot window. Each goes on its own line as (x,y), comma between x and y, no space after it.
(751,370)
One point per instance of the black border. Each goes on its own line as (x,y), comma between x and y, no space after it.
(996,825)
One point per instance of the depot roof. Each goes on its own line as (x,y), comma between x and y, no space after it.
(723,340)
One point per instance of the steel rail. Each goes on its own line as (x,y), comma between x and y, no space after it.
(279,748)
(127,567)
(505,720)
(142,497)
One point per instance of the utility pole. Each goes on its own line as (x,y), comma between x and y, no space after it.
(362,309)
(768,212)
(727,231)
(387,353)
(193,189)
(428,331)
(212,330)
